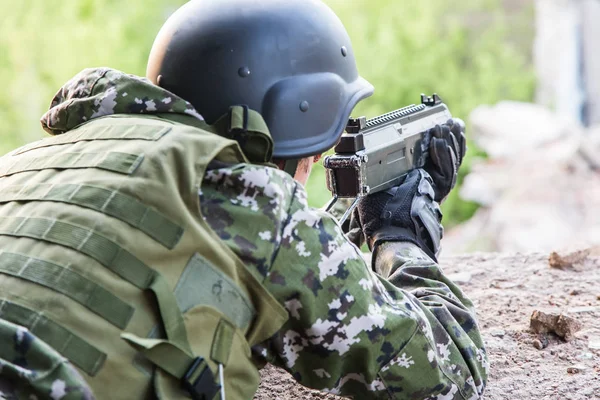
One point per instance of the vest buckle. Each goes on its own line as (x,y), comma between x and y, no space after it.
(199,381)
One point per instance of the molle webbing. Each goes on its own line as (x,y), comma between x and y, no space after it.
(70,283)
(71,346)
(111,132)
(110,202)
(221,346)
(111,256)
(122,163)
(83,240)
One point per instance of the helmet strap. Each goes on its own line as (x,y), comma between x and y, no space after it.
(291,166)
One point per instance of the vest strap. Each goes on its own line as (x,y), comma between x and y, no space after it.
(63,280)
(170,314)
(163,353)
(122,163)
(138,131)
(113,257)
(71,346)
(221,345)
(194,373)
(110,202)
(82,240)
(249,129)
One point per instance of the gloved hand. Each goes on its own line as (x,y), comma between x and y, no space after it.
(403,213)
(447,149)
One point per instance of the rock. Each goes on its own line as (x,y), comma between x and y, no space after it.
(562,325)
(460,277)
(538,344)
(566,327)
(499,333)
(575,369)
(594,344)
(568,261)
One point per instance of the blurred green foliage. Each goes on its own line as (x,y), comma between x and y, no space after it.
(466,51)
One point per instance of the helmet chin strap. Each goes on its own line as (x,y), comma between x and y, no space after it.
(291,166)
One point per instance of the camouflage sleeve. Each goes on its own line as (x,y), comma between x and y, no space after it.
(353,332)
(31,369)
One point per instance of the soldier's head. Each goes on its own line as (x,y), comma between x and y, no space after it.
(290,60)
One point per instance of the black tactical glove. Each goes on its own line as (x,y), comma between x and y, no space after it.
(403,213)
(447,149)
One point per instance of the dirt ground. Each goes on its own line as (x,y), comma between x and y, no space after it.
(507,289)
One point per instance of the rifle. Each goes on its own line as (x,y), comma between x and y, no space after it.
(375,154)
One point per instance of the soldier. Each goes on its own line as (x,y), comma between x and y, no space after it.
(152,248)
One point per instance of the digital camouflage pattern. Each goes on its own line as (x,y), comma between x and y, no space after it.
(30,369)
(351,331)
(97,92)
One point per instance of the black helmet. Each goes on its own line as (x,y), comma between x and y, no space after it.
(290,60)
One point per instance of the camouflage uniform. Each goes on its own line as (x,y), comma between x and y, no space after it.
(31,369)
(396,329)
(404,332)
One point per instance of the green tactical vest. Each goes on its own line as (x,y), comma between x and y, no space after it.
(105,256)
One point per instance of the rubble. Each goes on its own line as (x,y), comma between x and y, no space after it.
(568,261)
(541,343)
(562,325)
(575,369)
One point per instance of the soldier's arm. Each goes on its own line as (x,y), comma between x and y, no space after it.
(353,332)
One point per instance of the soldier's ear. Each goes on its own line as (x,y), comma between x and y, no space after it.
(317,158)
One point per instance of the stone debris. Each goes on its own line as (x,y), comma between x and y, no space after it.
(540,344)
(499,333)
(560,324)
(594,344)
(573,370)
(568,261)
(460,277)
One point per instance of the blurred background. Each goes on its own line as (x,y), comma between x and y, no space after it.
(522,73)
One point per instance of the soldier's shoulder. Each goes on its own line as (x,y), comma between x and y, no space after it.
(247,206)
(252,183)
